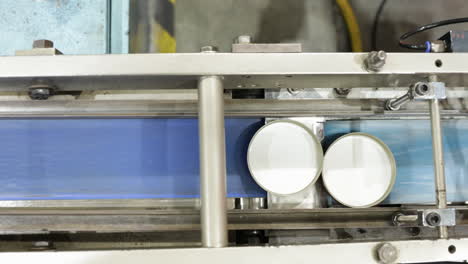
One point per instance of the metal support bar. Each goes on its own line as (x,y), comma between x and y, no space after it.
(439,168)
(212,162)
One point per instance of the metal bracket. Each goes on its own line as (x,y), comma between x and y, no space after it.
(438,217)
(418,91)
(434,90)
(244,44)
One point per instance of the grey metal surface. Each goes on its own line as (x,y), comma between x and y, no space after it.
(266,48)
(102,220)
(180,203)
(444,217)
(408,252)
(324,108)
(212,162)
(240,70)
(439,167)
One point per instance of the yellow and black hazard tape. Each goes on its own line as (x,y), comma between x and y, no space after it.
(164,30)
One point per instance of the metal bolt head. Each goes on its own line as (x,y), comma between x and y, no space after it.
(209,49)
(244,39)
(433,219)
(40,93)
(342,92)
(420,89)
(43,43)
(376,60)
(387,253)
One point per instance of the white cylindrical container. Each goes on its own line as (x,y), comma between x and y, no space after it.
(284,157)
(359,170)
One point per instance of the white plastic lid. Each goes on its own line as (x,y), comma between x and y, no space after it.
(359,170)
(284,157)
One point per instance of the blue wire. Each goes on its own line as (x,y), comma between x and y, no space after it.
(428,46)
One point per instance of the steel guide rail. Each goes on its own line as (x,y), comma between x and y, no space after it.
(228,71)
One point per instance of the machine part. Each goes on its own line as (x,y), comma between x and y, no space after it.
(400,219)
(439,46)
(43,245)
(279,173)
(367,160)
(318,108)
(412,251)
(114,220)
(438,151)
(159,204)
(40,47)
(243,39)
(418,91)
(433,219)
(41,91)
(453,41)
(439,217)
(375,60)
(341,92)
(387,253)
(43,43)
(209,49)
(294,91)
(271,70)
(266,47)
(244,203)
(212,161)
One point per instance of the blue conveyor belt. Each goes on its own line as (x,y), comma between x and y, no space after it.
(411,144)
(115,158)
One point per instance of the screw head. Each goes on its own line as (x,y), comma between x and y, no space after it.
(244,39)
(209,49)
(433,219)
(421,89)
(43,43)
(387,253)
(342,92)
(40,93)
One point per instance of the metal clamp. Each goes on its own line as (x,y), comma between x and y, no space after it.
(438,217)
(418,91)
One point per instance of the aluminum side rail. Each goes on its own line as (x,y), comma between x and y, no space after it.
(240,70)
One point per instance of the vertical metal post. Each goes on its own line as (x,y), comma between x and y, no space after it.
(438,154)
(212,162)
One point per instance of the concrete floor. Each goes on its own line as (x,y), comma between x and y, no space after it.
(317,24)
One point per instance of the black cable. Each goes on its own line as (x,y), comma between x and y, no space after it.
(375,26)
(427,27)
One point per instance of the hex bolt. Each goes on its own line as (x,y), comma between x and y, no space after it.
(40,93)
(376,60)
(244,39)
(341,92)
(387,253)
(43,43)
(433,219)
(209,49)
